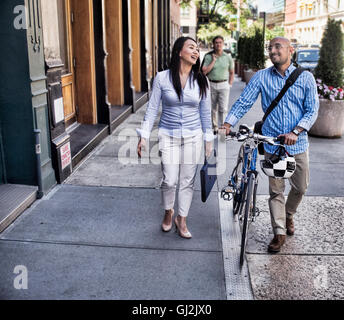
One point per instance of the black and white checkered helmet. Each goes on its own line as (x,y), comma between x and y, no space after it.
(279,166)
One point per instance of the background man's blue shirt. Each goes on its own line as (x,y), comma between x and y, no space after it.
(298,107)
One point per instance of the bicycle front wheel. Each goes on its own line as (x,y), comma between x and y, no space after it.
(237,177)
(249,206)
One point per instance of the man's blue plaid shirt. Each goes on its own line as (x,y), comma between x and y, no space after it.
(298,107)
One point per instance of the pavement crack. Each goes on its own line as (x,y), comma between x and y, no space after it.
(118,246)
(297,254)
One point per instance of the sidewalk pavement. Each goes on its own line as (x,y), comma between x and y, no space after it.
(98,235)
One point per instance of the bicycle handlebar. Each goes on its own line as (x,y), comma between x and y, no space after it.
(244,136)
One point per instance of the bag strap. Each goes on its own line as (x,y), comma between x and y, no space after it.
(290,81)
(209,52)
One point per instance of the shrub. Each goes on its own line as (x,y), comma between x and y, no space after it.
(331,63)
(257,57)
(247,50)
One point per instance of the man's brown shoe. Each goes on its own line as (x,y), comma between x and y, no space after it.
(276,243)
(290,226)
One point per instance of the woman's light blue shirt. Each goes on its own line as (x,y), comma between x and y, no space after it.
(186,117)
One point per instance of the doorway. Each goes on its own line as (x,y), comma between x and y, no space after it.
(78,57)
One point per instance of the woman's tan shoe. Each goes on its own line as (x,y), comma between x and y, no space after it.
(185,235)
(167,227)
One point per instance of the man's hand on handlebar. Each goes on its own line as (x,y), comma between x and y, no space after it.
(225,128)
(289,138)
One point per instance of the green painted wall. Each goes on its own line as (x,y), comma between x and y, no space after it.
(16,113)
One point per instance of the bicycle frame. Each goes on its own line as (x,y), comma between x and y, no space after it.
(250,155)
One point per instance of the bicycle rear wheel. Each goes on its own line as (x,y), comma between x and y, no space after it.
(249,206)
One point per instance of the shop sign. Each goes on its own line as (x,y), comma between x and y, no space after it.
(66,156)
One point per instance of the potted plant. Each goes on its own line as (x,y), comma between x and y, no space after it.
(241,55)
(238,57)
(329,77)
(257,57)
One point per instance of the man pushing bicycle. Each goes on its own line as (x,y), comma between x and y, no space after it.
(290,102)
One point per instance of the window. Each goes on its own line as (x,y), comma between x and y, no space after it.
(63,35)
(326,6)
(185,29)
(185,12)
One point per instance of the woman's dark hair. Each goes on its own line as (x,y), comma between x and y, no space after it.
(196,71)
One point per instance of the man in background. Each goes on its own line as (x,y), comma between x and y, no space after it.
(218,66)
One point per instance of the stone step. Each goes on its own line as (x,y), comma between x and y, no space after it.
(14,199)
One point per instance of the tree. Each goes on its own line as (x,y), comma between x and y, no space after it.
(330,65)
(207,32)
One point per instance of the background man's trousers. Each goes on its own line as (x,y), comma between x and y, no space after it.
(299,181)
(179,160)
(219,102)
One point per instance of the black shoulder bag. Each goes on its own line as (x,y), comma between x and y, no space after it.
(259,125)
(210,52)
(208,176)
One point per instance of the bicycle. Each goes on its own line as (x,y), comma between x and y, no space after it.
(243,183)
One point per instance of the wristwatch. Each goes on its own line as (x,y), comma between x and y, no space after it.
(296,132)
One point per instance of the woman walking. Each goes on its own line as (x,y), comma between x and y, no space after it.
(185,122)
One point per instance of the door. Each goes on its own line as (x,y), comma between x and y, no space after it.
(82,36)
(135,43)
(66,49)
(77,54)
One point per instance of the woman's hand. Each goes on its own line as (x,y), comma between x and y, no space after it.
(141,145)
(208,148)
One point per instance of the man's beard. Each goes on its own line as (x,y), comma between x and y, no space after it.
(280,63)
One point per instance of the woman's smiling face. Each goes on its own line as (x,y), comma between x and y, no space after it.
(190,52)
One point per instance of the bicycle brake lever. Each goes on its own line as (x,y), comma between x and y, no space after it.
(280,139)
(241,137)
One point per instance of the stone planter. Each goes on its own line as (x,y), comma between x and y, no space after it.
(330,121)
(239,70)
(249,74)
(236,67)
(243,67)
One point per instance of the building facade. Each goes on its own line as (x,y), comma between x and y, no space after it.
(276,16)
(312,16)
(290,19)
(72,71)
(188,21)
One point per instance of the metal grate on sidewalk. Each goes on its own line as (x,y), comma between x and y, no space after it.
(238,285)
